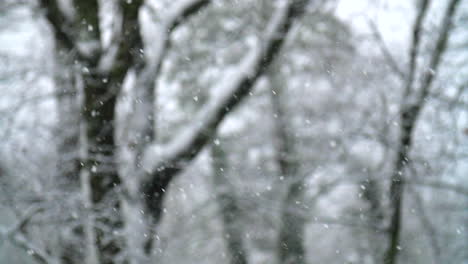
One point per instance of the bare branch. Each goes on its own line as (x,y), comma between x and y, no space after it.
(409,114)
(31,100)
(38,254)
(441,45)
(20,241)
(325,221)
(25,219)
(389,58)
(426,222)
(460,189)
(417,28)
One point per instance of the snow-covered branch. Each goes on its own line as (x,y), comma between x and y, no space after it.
(36,253)
(23,222)
(142,116)
(14,235)
(70,24)
(57,20)
(177,14)
(230,91)
(182,11)
(460,189)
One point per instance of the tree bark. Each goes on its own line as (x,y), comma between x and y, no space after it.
(291,236)
(413,103)
(292,221)
(68,165)
(100,92)
(101,87)
(228,207)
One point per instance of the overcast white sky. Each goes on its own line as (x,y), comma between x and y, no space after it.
(393,18)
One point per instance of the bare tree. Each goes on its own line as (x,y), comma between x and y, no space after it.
(414,98)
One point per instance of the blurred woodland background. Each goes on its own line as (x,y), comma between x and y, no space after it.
(233,131)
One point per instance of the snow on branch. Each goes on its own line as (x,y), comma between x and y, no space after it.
(182,10)
(176,15)
(146,78)
(36,253)
(57,20)
(13,234)
(230,90)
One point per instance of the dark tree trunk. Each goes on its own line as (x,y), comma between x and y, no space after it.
(397,188)
(413,103)
(228,207)
(68,107)
(291,235)
(99,116)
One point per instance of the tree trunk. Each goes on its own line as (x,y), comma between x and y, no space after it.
(68,164)
(396,194)
(228,207)
(99,119)
(291,235)
(413,103)
(68,107)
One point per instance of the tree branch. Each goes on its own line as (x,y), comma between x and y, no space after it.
(416,34)
(409,115)
(25,219)
(441,45)
(21,242)
(66,29)
(233,88)
(162,163)
(460,189)
(58,21)
(183,11)
(385,51)
(426,222)
(142,117)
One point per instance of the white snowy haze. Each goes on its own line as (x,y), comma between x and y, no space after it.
(233,131)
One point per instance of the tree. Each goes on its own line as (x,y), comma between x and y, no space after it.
(414,99)
(103,71)
(228,206)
